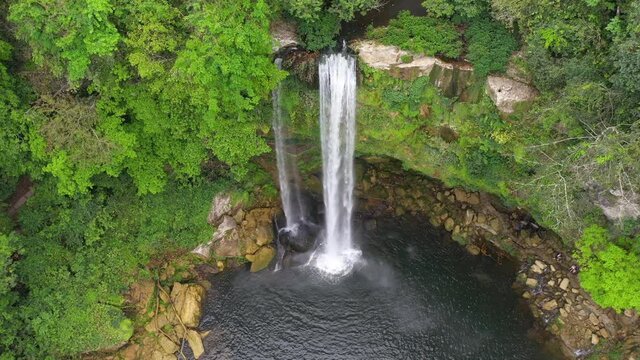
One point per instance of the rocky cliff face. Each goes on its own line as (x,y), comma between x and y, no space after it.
(453,78)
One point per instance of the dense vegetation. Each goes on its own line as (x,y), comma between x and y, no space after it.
(570,157)
(129,115)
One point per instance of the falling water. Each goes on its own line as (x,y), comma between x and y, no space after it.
(287,170)
(337,75)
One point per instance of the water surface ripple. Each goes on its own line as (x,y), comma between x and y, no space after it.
(416,296)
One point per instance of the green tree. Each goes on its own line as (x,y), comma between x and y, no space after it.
(66,36)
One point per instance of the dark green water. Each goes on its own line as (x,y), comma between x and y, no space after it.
(417,295)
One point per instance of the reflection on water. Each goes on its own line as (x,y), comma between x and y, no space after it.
(416,296)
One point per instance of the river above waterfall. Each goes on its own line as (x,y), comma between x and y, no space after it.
(416,295)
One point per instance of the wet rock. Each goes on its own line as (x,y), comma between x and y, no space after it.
(187,300)
(449,224)
(195,342)
(261,259)
(531,282)
(264,235)
(564,284)
(473,250)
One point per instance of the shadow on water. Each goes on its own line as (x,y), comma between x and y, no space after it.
(416,295)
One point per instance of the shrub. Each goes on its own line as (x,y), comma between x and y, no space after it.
(420,34)
(320,33)
(489,46)
(610,272)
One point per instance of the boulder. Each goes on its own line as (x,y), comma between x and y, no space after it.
(261,259)
(195,342)
(187,300)
(449,224)
(506,93)
(550,305)
(264,235)
(226,240)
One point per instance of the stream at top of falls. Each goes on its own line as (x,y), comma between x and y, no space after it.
(415,295)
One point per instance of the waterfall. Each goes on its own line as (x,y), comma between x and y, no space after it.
(288,176)
(337,74)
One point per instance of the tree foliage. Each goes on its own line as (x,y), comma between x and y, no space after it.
(421,35)
(610,272)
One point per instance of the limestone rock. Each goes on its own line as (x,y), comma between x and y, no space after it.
(187,300)
(203,250)
(507,93)
(284,34)
(195,342)
(221,205)
(452,78)
(473,250)
(264,235)
(531,282)
(564,284)
(226,241)
(261,258)
(594,319)
(167,345)
(550,305)
(541,264)
(595,340)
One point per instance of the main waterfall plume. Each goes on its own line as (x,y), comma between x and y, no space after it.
(337,75)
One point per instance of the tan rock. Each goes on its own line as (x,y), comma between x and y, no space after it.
(473,249)
(449,224)
(167,345)
(160,320)
(541,264)
(507,93)
(594,319)
(262,258)
(595,340)
(550,305)
(496,225)
(473,198)
(195,342)
(141,294)
(264,235)
(563,313)
(536,269)
(187,300)
(531,282)
(604,333)
(526,295)
(564,284)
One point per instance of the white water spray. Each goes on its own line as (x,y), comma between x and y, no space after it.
(337,74)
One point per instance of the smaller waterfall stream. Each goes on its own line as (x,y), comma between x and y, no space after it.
(337,74)
(288,176)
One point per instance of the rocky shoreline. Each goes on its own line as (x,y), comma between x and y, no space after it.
(483,225)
